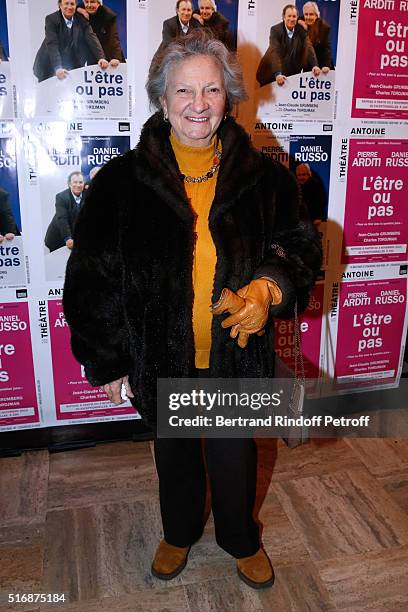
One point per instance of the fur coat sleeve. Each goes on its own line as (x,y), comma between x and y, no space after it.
(98,331)
(294,256)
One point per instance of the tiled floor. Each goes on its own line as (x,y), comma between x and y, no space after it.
(86,523)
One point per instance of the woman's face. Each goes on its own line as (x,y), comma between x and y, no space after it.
(309,15)
(195,100)
(206,9)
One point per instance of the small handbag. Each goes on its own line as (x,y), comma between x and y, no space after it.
(297,434)
(293,409)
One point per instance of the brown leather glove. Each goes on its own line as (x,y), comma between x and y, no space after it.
(249,315)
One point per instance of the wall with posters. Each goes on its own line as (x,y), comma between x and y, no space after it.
(338,121)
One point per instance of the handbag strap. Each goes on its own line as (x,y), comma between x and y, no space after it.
(299,363)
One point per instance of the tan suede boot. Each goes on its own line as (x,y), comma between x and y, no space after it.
(256,571)
(169,560)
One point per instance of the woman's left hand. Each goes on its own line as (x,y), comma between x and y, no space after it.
(251,318)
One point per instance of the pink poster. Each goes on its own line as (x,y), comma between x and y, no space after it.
(18,400)
(371,320)
(376,213)
(310,328)
(75,398)
(381,70)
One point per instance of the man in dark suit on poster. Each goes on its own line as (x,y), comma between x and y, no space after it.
(290,51)
(8,226)
(104,23)
(3,54)
(313,193)
(181,24)
(68,203)
(69,43)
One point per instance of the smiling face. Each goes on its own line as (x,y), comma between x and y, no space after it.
(92,6)
(68,8)
(195,100)
(206,9)
(290,18)
(309,15)
(76,184)
(184,12)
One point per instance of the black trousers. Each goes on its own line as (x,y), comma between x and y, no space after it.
(231,465)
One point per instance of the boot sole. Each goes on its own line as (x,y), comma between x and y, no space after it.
(168,576)
(173,574)
(253,584)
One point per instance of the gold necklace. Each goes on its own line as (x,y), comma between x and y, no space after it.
(207,175)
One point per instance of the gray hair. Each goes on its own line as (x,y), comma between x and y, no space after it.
(305,165)
(197,43)
(314,6)
(212,4)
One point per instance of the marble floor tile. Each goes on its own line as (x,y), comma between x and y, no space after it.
(102,551)
(172,599)
(23,487)
(316,457)
(21,608)
(105,473)
(343,513)
(21,568)
(22,534)
(297,588)
(396,485)
(206,560)
(224,594)
(381,456)
(374,582)
(281,541)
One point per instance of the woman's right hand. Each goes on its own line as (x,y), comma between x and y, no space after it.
(113,390)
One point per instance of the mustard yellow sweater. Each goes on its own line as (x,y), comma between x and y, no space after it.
(195,161)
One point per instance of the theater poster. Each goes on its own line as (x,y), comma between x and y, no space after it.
(71,70)
(375,214)
(306,151)
(18,398)
(380,89)
(62,160)
(311,334)
(366,312)
(289,77)
(12,265)
(75,400)
(6,89)
(148,18)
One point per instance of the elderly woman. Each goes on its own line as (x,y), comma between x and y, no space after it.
(319,34)
(192,210)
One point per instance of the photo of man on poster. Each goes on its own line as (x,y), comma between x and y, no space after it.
(209,17)
(103,21)
(8,225)
(69,43)
(4,47)
(68,203)
(181,24)
(3,56)
(290,51)
(313,193)
(318,31)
